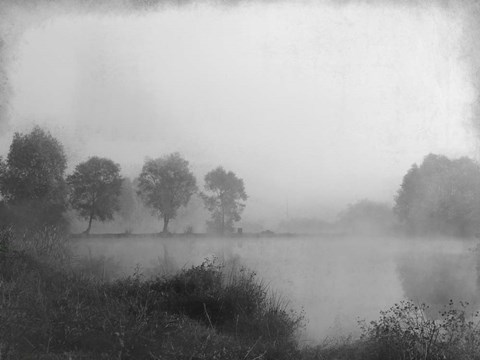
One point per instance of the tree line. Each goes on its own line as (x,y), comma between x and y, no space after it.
(36,191)
(441,196)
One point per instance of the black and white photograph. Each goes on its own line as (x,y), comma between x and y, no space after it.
(240,179)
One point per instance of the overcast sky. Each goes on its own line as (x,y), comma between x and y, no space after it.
(317,105)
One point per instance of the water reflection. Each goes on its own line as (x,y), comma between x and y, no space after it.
(335,280)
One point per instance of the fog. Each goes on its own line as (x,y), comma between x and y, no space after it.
(314,105)
(335,280)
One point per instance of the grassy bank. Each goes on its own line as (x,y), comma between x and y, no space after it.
(51,309)
(48,309)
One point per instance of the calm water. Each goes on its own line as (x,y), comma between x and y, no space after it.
(335,280)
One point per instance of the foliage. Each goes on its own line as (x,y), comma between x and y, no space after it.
(234,302)
(405,332)
(95,186)
(166,184)
(367,217)
(32,178)
(225,191)
(48,244)
(440,196)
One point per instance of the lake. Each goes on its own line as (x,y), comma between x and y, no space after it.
(335,280)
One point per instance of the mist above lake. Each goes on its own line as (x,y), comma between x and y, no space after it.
(312,104)
(336,280)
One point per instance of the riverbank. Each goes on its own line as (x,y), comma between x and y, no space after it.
(53,310)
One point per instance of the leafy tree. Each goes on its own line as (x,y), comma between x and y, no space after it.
(95,187)
(367,217)
(440,196)
(224,201)
(32,177)
(165,184)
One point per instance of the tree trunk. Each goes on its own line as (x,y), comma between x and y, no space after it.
(165,224)
(89,224)
(222,230)
(92,214)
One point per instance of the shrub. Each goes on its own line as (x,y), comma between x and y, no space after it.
(405,332)
(234,304)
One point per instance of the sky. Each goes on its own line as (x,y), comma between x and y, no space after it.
(314,105)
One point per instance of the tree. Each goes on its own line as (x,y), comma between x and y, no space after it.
(440,196)
(165,184)
(32,177)
(367,217)
(95,186)
(224,201)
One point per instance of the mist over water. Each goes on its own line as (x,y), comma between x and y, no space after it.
(314,105)
(335,280)
(283,94)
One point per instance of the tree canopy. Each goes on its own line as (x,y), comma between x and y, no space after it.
(440,196)
(165,184)
(32,176)
(225,193)
(95,187)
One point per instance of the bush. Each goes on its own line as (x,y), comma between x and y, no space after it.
(235,304)
(405,332)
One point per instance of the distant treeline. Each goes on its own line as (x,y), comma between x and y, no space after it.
(439,197)
(35,191)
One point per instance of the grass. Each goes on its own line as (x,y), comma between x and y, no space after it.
(50,309)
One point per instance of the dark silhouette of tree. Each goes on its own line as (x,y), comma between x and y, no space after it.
(95,188)
(223,200)
(440,196)
(32,178)
(165,184)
